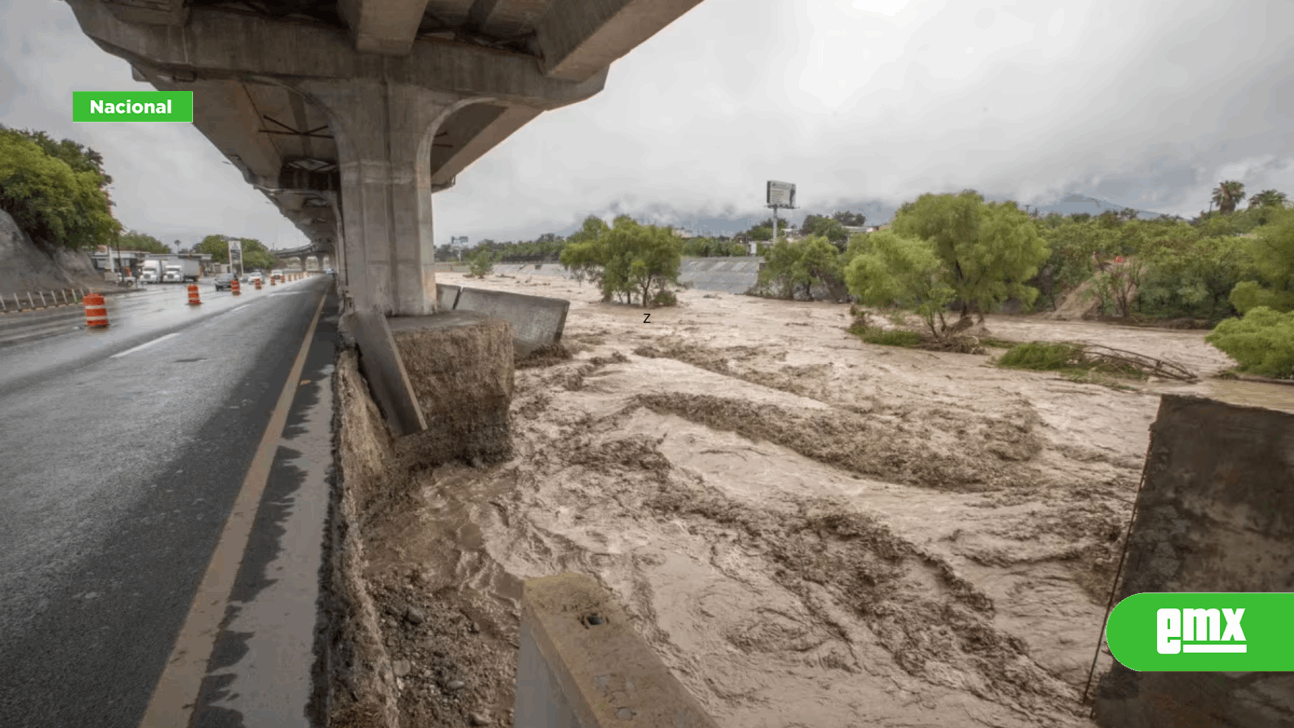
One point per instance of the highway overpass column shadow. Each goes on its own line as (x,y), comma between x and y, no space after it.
(1215,514)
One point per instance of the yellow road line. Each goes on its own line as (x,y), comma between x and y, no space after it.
(176,693)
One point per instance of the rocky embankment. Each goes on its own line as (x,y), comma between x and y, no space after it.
(26,266)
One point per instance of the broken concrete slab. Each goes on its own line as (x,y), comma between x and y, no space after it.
(384,369)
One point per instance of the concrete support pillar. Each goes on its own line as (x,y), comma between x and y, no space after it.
(384,132)
(303,264)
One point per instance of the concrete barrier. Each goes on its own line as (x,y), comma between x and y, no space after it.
(1215,514)
(582,665)
(447,296)
(537,321)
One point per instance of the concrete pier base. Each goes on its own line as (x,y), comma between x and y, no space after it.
(1216,514)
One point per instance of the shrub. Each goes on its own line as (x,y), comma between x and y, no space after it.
(664,297)
(480,263)
(1043,356)
(1262,342)
(888,337)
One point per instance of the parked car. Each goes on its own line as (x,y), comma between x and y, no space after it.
(224,281)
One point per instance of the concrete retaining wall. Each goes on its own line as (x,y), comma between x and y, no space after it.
(582,665)
(726,275)
(1216,514)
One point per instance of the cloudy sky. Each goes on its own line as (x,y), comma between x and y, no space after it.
(1144,104)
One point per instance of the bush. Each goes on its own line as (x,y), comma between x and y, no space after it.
(664,297)
(1263,342)
(1042,356)
(887,337)
(480,263)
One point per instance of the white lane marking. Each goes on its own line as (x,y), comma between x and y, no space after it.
(143,346)
(235,309)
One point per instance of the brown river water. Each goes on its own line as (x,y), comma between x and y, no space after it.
(809,530)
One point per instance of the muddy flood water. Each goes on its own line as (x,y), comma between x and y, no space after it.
(809,530)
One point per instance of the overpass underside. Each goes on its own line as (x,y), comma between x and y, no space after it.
(350,114)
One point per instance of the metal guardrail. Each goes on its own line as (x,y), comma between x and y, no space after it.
(37,300)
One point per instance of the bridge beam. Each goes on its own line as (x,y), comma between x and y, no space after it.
(383,26)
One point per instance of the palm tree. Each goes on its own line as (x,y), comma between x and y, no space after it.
(1227,195)
(1268,198)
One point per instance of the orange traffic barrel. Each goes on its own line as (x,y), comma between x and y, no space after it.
(95,312)
(235,287)
(258,284)
(193,295)
(272,283)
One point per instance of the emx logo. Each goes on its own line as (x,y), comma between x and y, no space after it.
(1203,632)
(1200,632)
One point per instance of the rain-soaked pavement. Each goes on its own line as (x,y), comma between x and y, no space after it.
(121,455)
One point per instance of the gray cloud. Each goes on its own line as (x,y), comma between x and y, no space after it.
(1143,104)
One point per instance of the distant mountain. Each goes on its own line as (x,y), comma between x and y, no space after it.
(1077,204)
(877,212)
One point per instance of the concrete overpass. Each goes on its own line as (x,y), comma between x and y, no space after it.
(321,254)
(350,114)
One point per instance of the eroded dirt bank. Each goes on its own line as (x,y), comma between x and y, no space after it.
(811,531)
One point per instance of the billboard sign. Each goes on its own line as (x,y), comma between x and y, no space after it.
(236,255)
(780,194)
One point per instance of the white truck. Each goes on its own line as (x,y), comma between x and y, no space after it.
(182,270)
(153,271)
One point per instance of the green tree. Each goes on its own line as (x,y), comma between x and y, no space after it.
(583,255)
(791,267)
(1262,341)
(133,240)
(55,203)
(989,250)
(849,219)
(782,273)
(1268,198)
(891,269)
(1272,251)
(639,259)
(1227,195)
(831,230)
(255,254)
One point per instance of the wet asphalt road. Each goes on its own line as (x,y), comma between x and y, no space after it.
(117,471)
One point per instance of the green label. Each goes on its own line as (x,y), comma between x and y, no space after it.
(1203,632)
(134,106)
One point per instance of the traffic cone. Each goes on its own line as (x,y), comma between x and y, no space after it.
(235,287)
(96,315)
(193,295)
